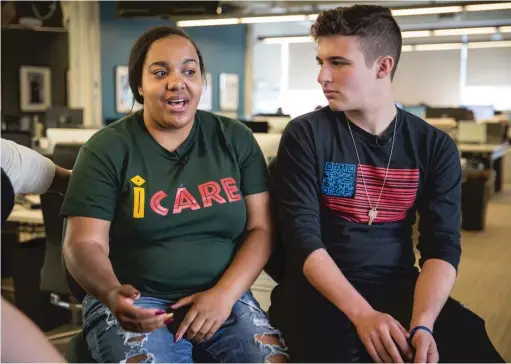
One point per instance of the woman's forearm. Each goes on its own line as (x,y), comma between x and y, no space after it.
(90,266)
(247,264)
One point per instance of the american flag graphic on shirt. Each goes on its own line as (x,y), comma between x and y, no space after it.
(343,191)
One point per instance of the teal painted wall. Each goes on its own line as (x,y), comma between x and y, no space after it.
(222,47)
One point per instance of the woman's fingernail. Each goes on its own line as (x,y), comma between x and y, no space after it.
(170,315)
(168,321)
(177,338)
(158,313)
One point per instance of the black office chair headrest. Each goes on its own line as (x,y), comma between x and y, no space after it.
(7,197)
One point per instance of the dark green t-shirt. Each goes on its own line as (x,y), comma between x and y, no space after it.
(177,217)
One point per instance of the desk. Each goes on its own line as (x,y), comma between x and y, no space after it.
(492,155)
(23,215)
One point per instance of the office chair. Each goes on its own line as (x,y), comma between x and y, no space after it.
(53,274)
(20,137)
(276,265)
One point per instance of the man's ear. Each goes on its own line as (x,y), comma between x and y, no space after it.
(385,67)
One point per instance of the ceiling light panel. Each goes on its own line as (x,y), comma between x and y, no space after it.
(437,47)
(207,22)
(427,11)
(273,19)
(488,7)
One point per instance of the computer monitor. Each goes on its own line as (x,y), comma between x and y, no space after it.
(457,113)
(416,110)
(63,117)
(257,126)
(481,112)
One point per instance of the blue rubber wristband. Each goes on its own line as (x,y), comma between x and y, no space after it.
(417,328)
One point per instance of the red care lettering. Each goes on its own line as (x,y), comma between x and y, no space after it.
(209,192)
(230,188)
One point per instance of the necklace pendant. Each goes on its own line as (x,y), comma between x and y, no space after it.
(372,215)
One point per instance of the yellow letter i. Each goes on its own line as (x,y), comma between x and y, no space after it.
(138,197)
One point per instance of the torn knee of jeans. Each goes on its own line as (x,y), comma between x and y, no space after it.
(133,340)
(277,347)
(136,339)
(140,358)
(269,339)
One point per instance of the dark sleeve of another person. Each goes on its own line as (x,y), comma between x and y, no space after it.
(440,206)
(297,194)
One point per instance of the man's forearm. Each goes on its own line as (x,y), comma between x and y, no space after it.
(91,268)
(60,180)
(324,275)
(433,287)
(248,263)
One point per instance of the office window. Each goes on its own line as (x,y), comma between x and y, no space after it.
(266,72)
(303,68)
(489,67)
(497,96)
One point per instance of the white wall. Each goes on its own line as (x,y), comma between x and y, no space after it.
(431,77)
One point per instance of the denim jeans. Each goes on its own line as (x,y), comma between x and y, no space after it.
(238,340)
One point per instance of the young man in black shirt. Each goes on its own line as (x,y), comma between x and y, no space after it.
(349,179)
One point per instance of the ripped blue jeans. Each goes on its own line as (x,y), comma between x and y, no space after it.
(238,340)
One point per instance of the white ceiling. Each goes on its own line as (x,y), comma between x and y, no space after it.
(468,19)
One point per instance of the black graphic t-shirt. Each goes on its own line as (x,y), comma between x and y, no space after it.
(323,202)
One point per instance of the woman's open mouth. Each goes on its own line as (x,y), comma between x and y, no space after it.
(177,105)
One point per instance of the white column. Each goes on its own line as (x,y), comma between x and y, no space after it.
(463,68)
(81,18)
(249,72)
(284,75)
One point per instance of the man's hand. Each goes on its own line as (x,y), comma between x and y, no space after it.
(60,180)
(425,347)
(209,311)
(131,318)
(382,335)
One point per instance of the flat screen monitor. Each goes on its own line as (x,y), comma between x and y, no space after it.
(63,117)
(482,112)
(257,126)
(417,110)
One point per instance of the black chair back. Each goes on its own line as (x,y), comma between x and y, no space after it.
(20,137)
(65,154)
(53,273)
(277,263)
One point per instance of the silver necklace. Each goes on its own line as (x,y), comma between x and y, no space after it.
(373,212)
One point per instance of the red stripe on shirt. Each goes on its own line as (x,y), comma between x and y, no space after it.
(397,197)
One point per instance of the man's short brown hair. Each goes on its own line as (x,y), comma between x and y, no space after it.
(377,31)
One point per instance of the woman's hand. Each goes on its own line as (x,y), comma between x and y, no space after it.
(209,311)
(132,318)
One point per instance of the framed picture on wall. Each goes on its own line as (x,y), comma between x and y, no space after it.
(229,91)
(206,99)
(124,101)
(35,88)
